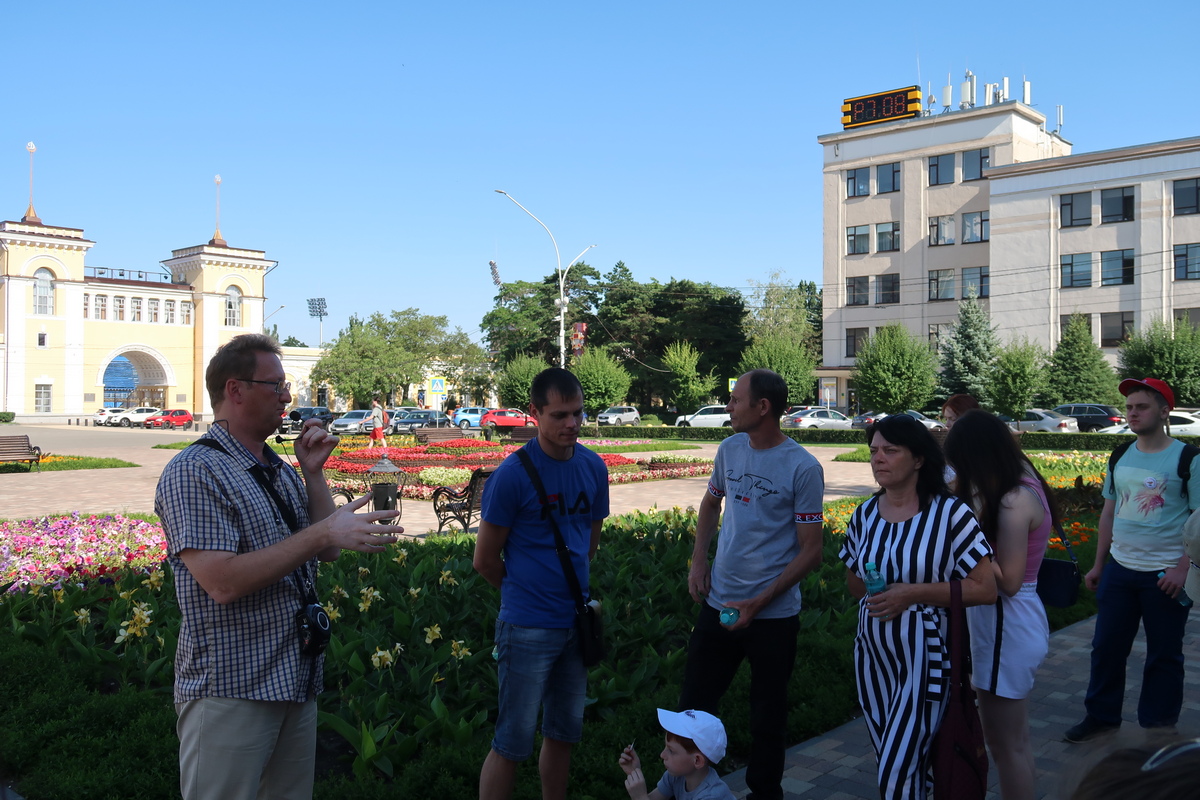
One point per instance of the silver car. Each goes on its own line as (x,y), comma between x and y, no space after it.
(1039,419)
(351,422)
(817,418)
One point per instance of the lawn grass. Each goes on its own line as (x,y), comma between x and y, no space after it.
(647,447)
(56,463)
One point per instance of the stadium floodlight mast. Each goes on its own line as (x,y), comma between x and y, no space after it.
(316,308)
(561,302)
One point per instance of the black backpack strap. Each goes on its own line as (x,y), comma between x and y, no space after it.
(560,544)
(1113,458)
(1189,452)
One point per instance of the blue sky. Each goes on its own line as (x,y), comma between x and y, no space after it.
(360,145)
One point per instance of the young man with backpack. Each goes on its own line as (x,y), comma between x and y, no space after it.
(1146,503)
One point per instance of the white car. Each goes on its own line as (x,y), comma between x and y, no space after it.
(127,417)
(706,417)
(102,414)
(1038,419)
(817,418)
(619,415)
(1182,423)
(351,422)
(931,424)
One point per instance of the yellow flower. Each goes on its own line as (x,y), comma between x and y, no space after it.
(364,605)
(338,592)
(331,611)
(370,593)
(381,659)
(83,617)
(448,578)
(128,594)
(458,651)
(154,580)
(401,556)
(363,572)
(414,592)
(433,632)
(58,595)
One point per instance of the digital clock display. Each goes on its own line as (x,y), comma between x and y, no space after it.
(881,107)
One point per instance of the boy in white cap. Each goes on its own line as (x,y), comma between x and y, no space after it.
(694,741)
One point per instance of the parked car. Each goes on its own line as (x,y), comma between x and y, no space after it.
(816,418)
(102,415)
(928,422)
(351,422)
(171,418)
(393,414)
(706,417)
(409,421)
(1183,423)
(289,425)
(866,419)
(127,417)
(469,417)
(619,415)
(506,418)
(1039,419)
(1092,416)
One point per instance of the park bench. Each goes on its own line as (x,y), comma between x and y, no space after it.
(463,505)
(18,448)
(428,435)
(522,434)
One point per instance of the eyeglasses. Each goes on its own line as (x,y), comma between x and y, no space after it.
(279,386)
(1165,754)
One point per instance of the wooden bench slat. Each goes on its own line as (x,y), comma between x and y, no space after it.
(18,449)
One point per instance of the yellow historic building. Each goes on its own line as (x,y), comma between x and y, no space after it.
(63,323)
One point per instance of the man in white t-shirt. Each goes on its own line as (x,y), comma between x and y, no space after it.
(1145,508)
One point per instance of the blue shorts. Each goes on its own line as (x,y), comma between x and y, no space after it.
(539,668)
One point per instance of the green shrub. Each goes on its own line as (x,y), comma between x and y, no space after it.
(7,416)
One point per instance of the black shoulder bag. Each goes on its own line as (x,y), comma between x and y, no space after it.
(1058,578)
(958,755)
(312,623)
(588,623)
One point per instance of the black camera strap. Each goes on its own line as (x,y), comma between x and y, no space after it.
(560,545)
(259,472)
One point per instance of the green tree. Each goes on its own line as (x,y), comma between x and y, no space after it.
(515,380)
(969,354)
(687,388)
(1078,370)
(466,366)
(525,319)
(786,356)
(1019,374)
(605,382)
(292,341)
(1168,352)
(895,371)
(777,310)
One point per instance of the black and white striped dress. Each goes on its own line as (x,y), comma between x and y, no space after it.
(901,664)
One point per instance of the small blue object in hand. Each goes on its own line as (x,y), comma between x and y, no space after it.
(729,616)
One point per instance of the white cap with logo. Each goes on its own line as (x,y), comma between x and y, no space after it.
(1191,544)
(701,727)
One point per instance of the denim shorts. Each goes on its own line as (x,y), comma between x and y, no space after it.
(539,668)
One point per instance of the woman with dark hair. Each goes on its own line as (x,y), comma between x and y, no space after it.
(1145,771)
(1008,640)
(919,538)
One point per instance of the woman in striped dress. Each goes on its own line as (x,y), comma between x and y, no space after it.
(1010,639)
(920,538)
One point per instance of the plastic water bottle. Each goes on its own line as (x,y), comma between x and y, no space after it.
(1182,597)
(729,615)
(875,582)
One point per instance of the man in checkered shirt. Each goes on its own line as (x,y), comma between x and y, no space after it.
(244,693)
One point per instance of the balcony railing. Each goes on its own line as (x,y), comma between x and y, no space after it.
(113,273)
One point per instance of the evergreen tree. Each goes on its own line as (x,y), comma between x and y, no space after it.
(515,380)
(1019,374)
(1078,371)
(969,354)
(788,357)
(895,371)
(1170,353)
(605,382)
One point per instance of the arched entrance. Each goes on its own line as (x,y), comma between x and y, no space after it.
(136,376)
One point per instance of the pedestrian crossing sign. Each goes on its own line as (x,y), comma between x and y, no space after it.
(437,385)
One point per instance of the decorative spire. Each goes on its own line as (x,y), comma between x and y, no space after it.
(31,216)
(217,241)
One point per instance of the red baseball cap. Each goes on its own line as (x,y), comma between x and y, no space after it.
(1131,385)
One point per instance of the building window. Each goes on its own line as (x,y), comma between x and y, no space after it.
(135,309)
(975,162)
(941,169)
(857,291)
(976,227)
(858,182)
(43,292)
(119,308)
(887,237)
(1115,327)
(887,288)
(939,334)
(1075,209)
(1116,205)
(152,310)
(856,339)
(101,306)
(1065,320)
(185,312)
(233,307)
(887,178)
(975,282)
(86,305)
(1187,196)
(858,240)
(169,312)
(941,284)
(41,398)
(1189,315)
(323,396)
(1116,267)
(941,230)
(43,340)
(1187,262)
(1076,270)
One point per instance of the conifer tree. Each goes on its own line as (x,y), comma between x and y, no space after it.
(969,355)
(1078,371)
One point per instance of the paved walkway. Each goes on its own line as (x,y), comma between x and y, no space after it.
(839,765)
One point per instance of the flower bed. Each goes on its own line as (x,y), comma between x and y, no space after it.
(75,548)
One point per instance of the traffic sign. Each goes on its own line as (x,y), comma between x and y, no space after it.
(437,385)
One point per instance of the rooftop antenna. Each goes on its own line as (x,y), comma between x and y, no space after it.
(217,241)
(1004,90)
(947,95)
(931,101)
(30,215)
(1060,119)
(967,91)
(1026,92)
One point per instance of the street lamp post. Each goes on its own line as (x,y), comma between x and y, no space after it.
(562,280)
(317,308)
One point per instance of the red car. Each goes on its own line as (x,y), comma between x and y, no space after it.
(171,418)
(506,418)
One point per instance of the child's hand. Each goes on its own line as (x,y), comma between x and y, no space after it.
(635,784)
(629,760)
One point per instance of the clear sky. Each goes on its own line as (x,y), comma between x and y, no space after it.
(359,144)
